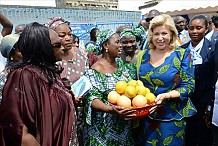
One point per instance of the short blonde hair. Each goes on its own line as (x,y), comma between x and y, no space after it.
(161,20)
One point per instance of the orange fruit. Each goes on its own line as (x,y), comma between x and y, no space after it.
(124,101)
(140,83)
(142,90)
(150,97)
(130,91)
(139,101)
(113,96)
(132,83)
(121,87)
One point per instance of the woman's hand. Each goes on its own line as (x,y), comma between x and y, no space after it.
(160,98)
(124,113)
(79,100)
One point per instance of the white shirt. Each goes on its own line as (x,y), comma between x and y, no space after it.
(209,35)
(184,36)
(195,51)
(215,108)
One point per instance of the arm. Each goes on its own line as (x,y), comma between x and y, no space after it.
(17,93)
(7,25)
(28,139)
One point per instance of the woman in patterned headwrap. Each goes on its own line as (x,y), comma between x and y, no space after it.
(74,61)
(105,124)
(129,50)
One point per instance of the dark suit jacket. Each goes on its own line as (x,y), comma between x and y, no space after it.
(204,77)
(214,37)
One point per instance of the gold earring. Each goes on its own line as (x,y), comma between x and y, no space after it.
(106,50)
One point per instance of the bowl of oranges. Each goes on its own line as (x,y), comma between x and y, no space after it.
(133,94)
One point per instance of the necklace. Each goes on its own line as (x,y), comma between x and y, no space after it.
(128,58)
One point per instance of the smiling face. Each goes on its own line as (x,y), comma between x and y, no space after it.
(197,30)
(56,44)
(161,37)
(114,46)
(128,44)
(65,34)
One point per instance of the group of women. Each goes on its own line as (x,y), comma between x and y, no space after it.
(38,107)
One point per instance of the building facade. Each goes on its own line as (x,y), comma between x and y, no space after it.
(93,4)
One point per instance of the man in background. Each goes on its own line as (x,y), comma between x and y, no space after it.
(150,16)
(183,35)
(19,28)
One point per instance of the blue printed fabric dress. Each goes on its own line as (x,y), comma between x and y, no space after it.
(104,129)
(167,125)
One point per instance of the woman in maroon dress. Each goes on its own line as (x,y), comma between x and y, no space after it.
(37,110)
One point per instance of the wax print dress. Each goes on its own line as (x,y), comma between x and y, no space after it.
(167,125)
(131,67)
(104,129)
(73,70)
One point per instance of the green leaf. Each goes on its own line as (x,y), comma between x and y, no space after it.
(158,131)
(189,105)
(185,110)
(148,77)
(184,76)
(181,51)
(164,68)
(180,134)
(178,123)
(167,140)
(158,82)
(177,63)
(181,90)
(153,142)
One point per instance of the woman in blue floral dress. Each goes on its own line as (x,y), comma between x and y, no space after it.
(167,71)
(105,124)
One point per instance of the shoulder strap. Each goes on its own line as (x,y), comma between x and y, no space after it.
(139,61)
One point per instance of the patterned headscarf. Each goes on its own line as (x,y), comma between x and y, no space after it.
(56,21)
(140,34)
(103,36)
(127,32)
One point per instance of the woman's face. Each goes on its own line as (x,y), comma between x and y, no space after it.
(76,42)
(65,35)
(114,46)
(197,30)
(128,44)
(161,37)
(57,45)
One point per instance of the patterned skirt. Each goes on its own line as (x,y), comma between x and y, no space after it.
(161,133)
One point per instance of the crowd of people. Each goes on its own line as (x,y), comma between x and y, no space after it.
(174,57)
